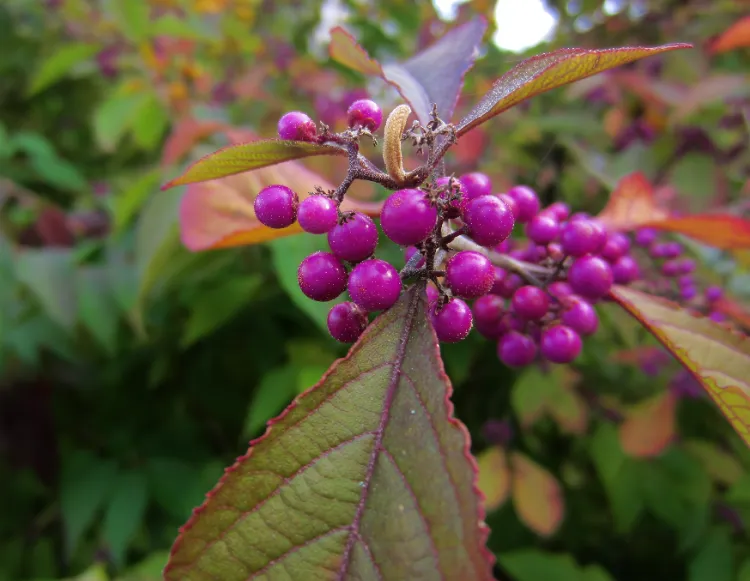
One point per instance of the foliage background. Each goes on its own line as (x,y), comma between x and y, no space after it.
(132,371)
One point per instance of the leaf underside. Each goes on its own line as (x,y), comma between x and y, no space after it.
(717,356)
(366,476)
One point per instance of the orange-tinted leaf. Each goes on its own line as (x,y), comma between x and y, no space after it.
(717,356)
(549,71)
(734,310)
(494,477)
(537,495)
(736,36)
(631,204)
(568,408)
(724,231)
(649,427)
(186,134)
(235,159)
(345,49)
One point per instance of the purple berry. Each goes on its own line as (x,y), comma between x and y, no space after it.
(585,216)
(453,322)
(625,270)
(488,313)
(516,350)
(579,237)
(512,204)
(432,295)
(542,229)
(560,344)
(511,322)
(365,113)
(410,252)
(469,274)
(645,236)
(497,283)
(297,126)
(590,277)
(276,206)
(555,251)
(560,290)
(686,265)
(558,210)
(489,219)
(713,294)
(527,202)
(617,245)
(475,184)
(374,285)
(672,249)
(509,285)
(317,214)
(346,321)
(530,302)
(580,316)
(408,217)
(670,268)
(716,317)
(688,292)
(686,280)
(354,239)
(321,276)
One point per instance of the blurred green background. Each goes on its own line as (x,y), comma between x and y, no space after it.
(133,371)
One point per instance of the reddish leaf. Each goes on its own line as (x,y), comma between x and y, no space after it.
(494,477)
(537,495)
(736,36)
(733,310)
(547,71)
(631,204)
(367,475)
(435,75)
(235,159)
(717,356)
(185,135)
(724,231)
(649,427)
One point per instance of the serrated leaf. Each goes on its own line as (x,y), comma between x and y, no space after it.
(717,356)
(59,64)
(124,514)
(235,159)
(649,426)
(537,495)
(734,37)
(48,274)
(367,475)
(548,71)
(494,477)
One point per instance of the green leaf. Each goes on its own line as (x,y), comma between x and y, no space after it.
(548,71)
(60,173)
(175,486)
(84,485)
(115,116)
(744,572)
(150,123)
(717,356)
(235,159)
(133,18)
(124,514)
(49,275)
(216,306)
(275,391)
(59,64)
(97,308)
(129,201)
(714,561)
(535,565)
(365,476)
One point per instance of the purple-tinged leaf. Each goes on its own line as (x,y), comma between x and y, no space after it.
(435,75)
(547,71)
(367,475)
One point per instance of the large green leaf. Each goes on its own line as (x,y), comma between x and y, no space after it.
(365,476)
(717,356)
(60,64)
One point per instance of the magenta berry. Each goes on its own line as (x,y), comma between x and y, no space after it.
(432,295)
(452,323)
(713,293)
(617,245)
(469,274)
(489,219)
(276,206)
(500,275)
(508,285)
(688,292)
(558,210)
(488,313)
(560,290)
(512,204)
(346,321)
(645,236)
(670,268)
(686,265)
(475,184)
(317,214)
(560,344)
(580,316)
(365,113)
(526,201)
(408,217)
(579,237)
(321,276)
(716,317)
(590,277)
(625,270)
(516,349)
(354,239)
(297,126)
(530,302)
(542,228)
(409,254)
(374,285)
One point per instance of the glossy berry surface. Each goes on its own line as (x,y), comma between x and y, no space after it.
(579,237)
(560,344)
(475,184)
(297,126)
(489,219)
(321,276)
(346,321)
(645,236)
(542,228)
(354,239)
(625,270)
(374,285)
(526,201)
(276,206)
(559,289)
(365,113)
(617,245)
(317,214)
(590,277)
(469,274)
(488,313)
(453,322)
(580,316)
(516,349)
(530,302)
(408,217)
(558,210)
